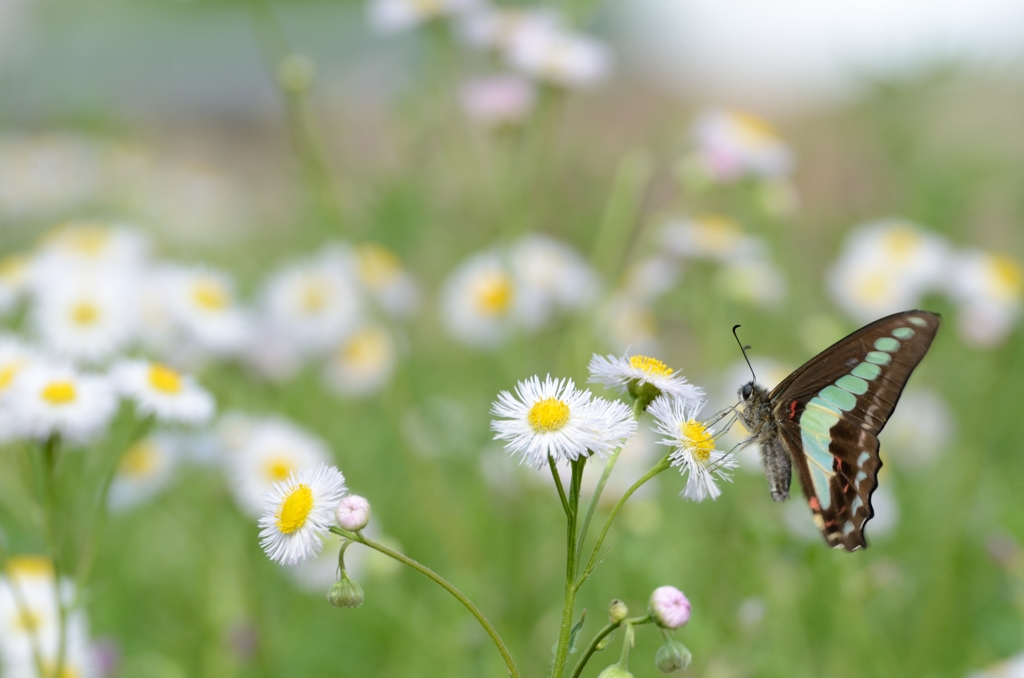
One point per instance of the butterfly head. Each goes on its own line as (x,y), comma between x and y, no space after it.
(747,390)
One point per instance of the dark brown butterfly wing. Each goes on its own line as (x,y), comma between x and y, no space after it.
(831,410)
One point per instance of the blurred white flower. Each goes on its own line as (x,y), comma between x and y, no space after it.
(269,452)
(649,278)
(757,282)
(145,469)
(552,275)
(92,247)
(14,277)
(163,392)
(381,275)
(628,323)
(50,398)
(1010,668)
(363,363)
(313,301)
(498,28)
(297,513)
(732,145)
(560,57)
(887,266)
(497,100)
(481,302)
(919,431)
(393,16)
(989,288)
(201,302)
(271,352)
(710,236)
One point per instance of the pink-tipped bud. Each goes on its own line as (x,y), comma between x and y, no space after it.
(353,513)
(670,607)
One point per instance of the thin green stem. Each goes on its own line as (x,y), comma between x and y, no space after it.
(569,600)
(605,474)
(443,583)
(50,458)
(601,635)
(558,484)
(592,562)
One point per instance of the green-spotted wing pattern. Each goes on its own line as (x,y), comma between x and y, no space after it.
(826,416)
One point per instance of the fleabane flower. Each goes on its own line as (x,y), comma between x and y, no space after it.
(694,450)
(710,236)
(298,512)
(382,276)
(146,468)
(560,57)
(482,302)
(990,290)
(643,378)
(53,399)
(14,269)
(394,16)
(162,391)
(552,418)
(202,303)
(497,100)
(554,275)
(363,363)
(732,145)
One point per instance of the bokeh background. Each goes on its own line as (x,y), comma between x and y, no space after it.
(507,190)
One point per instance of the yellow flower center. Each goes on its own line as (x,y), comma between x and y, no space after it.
(650,366)
(378,265)
(902,241)
(210,295)
(7,374)
(13,267)
(278,469)
(85,313)
(67,672)
(368,348)
(718,233)
(314,297)
(494,293)
(752,129)
(295,509)
(872,288)
(164,379)
(60,392)
(698,440)
(426,7)
(86,239)
(28,621)
(139,461)
(548,415)
(29,566)
(1009,276)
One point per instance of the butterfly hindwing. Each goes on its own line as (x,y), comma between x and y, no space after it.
(830,411)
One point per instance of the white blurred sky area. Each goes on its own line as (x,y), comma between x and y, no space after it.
(793,53)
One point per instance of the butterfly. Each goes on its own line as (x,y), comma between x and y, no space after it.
(825,418)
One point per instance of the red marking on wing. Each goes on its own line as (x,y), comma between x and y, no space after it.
(814,504)
(792,410)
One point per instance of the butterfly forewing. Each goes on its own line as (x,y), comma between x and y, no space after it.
(831,410)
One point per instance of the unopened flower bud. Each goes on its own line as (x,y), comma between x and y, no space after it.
(346,593)
(617,611)
(669,607)
(353,513)
(615,671)
(672,656)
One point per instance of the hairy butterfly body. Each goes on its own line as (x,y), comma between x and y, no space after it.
(825,417)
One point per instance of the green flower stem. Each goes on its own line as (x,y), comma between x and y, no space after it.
(558,484)
(443,583)
(51,453)
(571,565)
(593,503)
(588,570)
(601,635)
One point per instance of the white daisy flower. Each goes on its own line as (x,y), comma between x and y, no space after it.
(757,282)
(14,276)
(651,277)
(497,101)
(202,303)
(481,302)
(990,290)
(270,452)
(394,16)
(146,468)
(643,377)
(553,274)
(314,301)
(732,145)
(498,28)
(380,273)
(87,318)
(271,352)
(710,236)
(694,450)
(298,512)
(560,57)
(363,363)
(50,398)
(555,419)
(15,356)
(158,390)
(628,322)
(95,245)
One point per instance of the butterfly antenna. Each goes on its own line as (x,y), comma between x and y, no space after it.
(744,350)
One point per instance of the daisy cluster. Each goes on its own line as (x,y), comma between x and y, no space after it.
(733,145)
(893,264)
(92,292)
(30,597)
(552,421)
(534,45)
(496,293)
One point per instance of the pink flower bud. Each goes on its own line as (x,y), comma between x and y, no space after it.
(353,513)
(670,607)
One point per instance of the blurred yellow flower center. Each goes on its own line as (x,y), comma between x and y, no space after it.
(314,296)
(139,461)
(28,621)
(29,566)
(718,233)
(548,415)
(874,287)
(210,295)
(295,509)
(698,440)
(377,265)
(1008,275)
(650,366)
(7,374)
(423,7)
(494,294)
(902,241)
(60,392)
(67,672)
(87,240)
(164,379)
(752,129)
(278,469)
(368,348)
(84,313)
(13,267)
